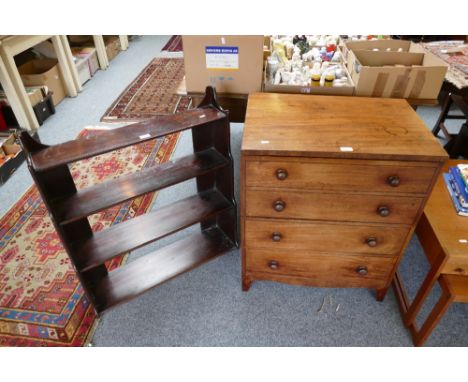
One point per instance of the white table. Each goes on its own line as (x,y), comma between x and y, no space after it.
(11,79)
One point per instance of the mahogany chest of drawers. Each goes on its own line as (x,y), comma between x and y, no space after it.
(331,188)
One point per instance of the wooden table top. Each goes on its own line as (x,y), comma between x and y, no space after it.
(338,127)
(449,227)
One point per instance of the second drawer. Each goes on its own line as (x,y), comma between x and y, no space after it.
(319,206)
(283,235)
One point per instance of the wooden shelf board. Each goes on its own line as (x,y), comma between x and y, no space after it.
(86,147)
(141,230)
(104,195)
(158,267)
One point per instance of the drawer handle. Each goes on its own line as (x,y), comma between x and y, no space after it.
(371,241)
(361,270)
(393,180)
(279,205)
(273,264)
(383,211)
(276,236)
(281,174)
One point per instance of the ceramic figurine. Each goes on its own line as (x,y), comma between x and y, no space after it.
(315,77)
(336,57)
(289,50)
(286,76)
(324,67)
(340,73)
(272,67)
(278,77)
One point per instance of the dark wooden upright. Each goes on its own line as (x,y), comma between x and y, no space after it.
(214,206)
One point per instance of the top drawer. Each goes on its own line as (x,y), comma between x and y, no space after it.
(340,175)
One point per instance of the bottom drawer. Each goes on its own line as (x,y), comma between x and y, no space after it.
(322,269)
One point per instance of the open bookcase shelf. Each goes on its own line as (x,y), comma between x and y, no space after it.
(213,206)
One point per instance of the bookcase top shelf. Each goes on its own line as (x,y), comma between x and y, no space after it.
(47,157)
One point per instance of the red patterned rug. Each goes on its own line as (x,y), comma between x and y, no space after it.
(41,300)
(153,92)
(174,44)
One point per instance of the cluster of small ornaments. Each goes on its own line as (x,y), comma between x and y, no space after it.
(306,61)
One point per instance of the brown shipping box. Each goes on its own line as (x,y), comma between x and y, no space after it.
(382,45)
(413,74)
(232,64)
(44,72)
(112,46)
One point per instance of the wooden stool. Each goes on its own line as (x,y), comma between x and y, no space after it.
(454,289)
(449,100)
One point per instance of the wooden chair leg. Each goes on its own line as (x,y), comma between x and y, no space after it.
(420,337)
(443,115)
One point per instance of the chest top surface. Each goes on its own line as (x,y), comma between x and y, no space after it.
(337,127)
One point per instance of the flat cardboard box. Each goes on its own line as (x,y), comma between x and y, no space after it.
(44,72)
(232,64)
(413,74)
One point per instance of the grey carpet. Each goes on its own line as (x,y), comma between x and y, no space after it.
(206,306)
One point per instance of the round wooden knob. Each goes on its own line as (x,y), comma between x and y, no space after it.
(273,264)
(276,236)
(383,211)
(281,174)
(393,180)
(371,241)
(361,270)
(279,205)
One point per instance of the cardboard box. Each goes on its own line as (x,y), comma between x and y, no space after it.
(383,44)
(321,90)
(35,95)
(11,156)
(232,64)
(413,73)
(44,72)
(112,46)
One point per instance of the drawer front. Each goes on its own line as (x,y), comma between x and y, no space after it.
(336,270)
(372,177)
(456,265)
(282,203)
(277,234)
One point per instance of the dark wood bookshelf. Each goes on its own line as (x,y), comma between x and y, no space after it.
(163,265)
(104,195)
(213,206)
